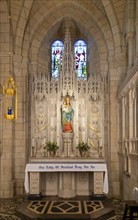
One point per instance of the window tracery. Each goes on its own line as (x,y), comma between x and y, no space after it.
(57,51)
(80,58)
(80,53)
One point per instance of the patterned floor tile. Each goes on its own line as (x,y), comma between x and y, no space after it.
(92,206)
(8,208)
(38,207)
(8,217)
(65,207)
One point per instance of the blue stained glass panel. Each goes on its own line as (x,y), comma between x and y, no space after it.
(80,51)
(57,51)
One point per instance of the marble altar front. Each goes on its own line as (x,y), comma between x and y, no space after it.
(66,179)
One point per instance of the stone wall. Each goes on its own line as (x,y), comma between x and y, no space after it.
(116,53)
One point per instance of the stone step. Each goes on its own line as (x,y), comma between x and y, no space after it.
(75,209)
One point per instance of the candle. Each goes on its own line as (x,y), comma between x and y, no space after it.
(9,111)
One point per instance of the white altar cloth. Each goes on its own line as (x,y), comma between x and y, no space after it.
(66,167)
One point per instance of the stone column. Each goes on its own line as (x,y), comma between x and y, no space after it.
(134,147)
(20,124)
(130,37)
(7,153)
(136,23)
(123,118)
(67,185)
(116,70)
(131,122)
(130,114)
(135,112)
(136,39)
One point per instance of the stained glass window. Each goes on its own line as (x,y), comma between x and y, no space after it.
(57,51)
(80,51)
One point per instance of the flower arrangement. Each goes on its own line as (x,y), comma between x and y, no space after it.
(83,148)
(51,147)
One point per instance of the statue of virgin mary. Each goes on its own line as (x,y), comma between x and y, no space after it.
(66,116)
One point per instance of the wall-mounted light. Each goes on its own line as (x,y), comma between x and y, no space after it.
(10,92)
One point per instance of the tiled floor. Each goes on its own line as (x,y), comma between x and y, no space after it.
(8,207)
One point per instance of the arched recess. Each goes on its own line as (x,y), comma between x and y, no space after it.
(104,41)
(93,24)
(77,9)
(96,26)
(91,27)
(47,20)
(93,17)
(101,45)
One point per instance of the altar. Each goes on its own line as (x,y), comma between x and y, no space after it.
(68,136)
(66,179)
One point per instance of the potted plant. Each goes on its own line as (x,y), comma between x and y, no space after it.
(83,148)
(52,148)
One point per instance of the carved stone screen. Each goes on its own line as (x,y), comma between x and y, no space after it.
(83,98)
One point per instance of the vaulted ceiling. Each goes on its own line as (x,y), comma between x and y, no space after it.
(101,20)
(37,23)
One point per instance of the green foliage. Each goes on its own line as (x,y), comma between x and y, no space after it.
(83,147)
(52,147)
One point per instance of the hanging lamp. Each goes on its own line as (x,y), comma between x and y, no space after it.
(9,89)
(10,92)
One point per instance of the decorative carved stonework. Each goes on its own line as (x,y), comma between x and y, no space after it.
(98,180)
(34,182)
(87,101)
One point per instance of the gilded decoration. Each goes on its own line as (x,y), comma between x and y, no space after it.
(10,92)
